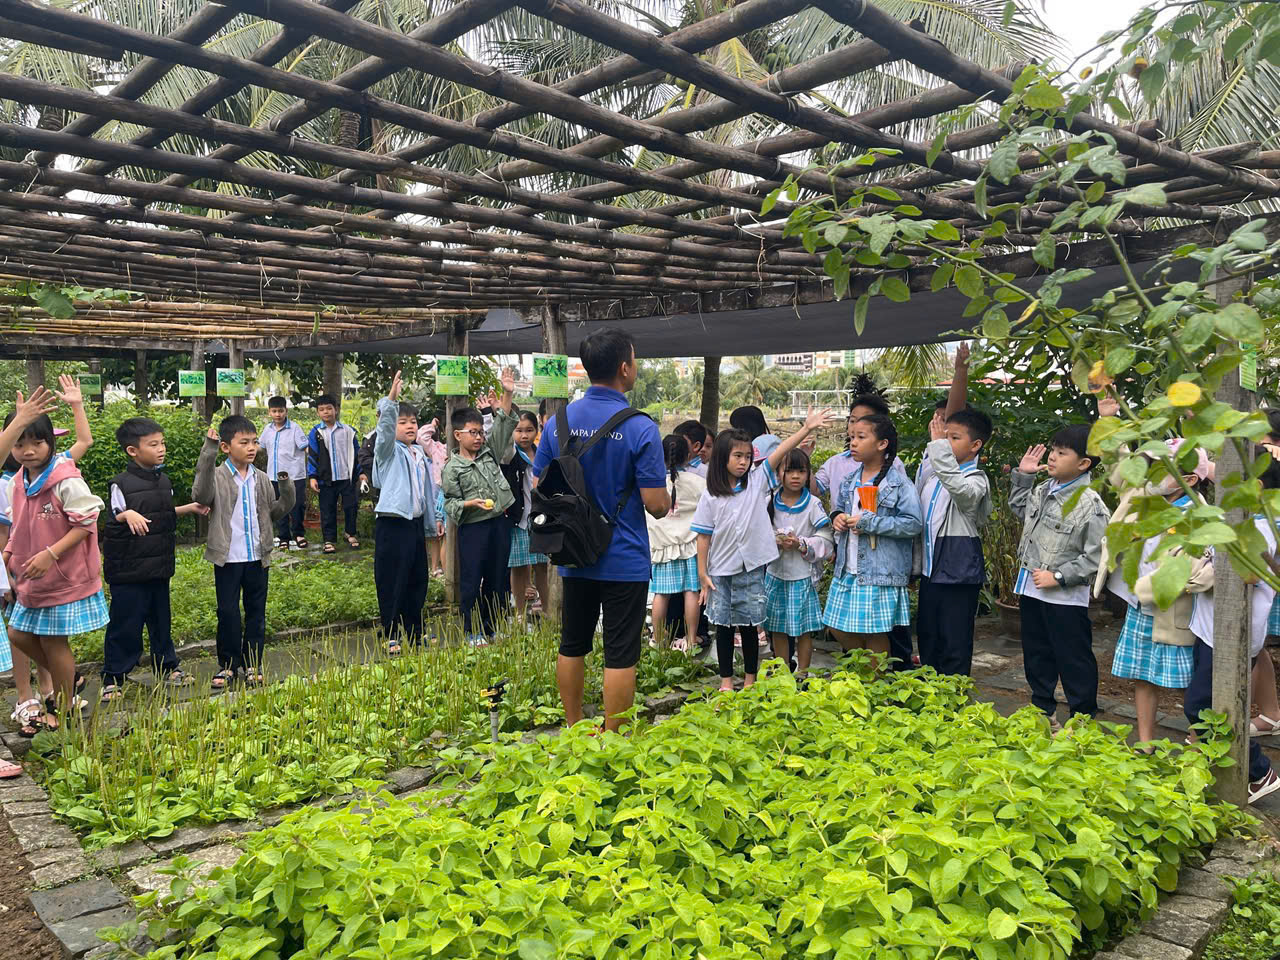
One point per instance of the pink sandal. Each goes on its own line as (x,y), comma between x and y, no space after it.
(9,770)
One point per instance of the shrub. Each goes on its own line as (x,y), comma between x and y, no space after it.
(891,819)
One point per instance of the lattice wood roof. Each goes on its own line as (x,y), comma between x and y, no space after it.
(310,258)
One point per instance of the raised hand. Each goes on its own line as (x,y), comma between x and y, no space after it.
(937,426)
(70,393)
(1031,460)
(212,434)
(1108,405)
(29,411)
(508,381)
(394,393)
(819,418)
(962,354)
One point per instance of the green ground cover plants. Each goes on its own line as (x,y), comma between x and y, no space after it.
(313,592)
(1252,930)
(890,819)
(217,758)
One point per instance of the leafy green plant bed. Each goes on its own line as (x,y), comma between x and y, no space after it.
(890,819)
(217,759)
(1252,930)
(312,593)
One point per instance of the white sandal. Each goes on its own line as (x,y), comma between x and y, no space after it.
(9,770)
(27,711)
(1272,726)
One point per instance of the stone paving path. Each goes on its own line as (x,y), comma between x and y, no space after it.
(77,893)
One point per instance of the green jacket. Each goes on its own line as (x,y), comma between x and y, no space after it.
(481,478)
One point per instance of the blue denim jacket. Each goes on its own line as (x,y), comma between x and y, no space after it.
(896,523)
(392,461)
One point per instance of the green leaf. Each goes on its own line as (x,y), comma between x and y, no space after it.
(1152,81)
(1239,321)
(531,949)
(895,289)
(770,201)
(1045,251)
(835,233)
(969,281)
(1211,534)
(1000,925)
(935,148)
(1196,331)
(860,313)
(560,834)
(1145,194)
(941,277)
(1236,41)
(1044,96)
(1119,359)
(1170,579)
(995,324)
(55,303)
(1003,164)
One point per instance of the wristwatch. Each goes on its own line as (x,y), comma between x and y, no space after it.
(1058,576)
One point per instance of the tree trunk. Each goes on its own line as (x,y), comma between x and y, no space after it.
(200,406)
(35,374)
(710,413)
(235,360)
(141,382)
(553,341)
(333,376)
(100,401)
(452,589)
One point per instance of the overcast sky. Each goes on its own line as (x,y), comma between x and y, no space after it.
(1081,22)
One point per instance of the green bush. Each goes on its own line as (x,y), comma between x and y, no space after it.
(1252,931)
(892,820)
(221,758)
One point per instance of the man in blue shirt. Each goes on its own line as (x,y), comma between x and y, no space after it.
(629,459)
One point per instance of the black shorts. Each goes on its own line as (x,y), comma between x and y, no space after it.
(624,606)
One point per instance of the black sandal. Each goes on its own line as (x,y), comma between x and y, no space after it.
(352,542)
(329,548)
(222,679)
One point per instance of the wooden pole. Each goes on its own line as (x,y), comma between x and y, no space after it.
(458,347)
(235,360)
(333,376)
(100,401)
(553,341)
(35,374)
(709,415)
(141,381)
(1232,664)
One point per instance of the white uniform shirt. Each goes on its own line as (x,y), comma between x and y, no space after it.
(741,534)
(244,517)
(1260,604)
(935,499)
(286,450)
(803,520)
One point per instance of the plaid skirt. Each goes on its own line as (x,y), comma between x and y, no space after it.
(63,620)
(791,606)
(1138,657)
(1273,621)
(520,555)
(6,654)
(674,576)
(866,608)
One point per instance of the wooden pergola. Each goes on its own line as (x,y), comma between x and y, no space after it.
(334,261)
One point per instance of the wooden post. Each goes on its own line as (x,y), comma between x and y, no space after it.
(457,347)
(1232,666)
(333,377)
(35,374)
(553,341)
(235,360)
(200,406)
(709,415)
(141,382)
(95,366)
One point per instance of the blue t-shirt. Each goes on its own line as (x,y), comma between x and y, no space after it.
(631,456)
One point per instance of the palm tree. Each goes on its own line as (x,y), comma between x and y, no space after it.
(752,382)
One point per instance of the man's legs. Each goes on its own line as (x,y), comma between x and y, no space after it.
(1072,636)
(389,571)
(580,612)
(299,512)
(282,525)
(623,607)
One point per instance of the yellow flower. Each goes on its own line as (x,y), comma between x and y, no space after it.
(1098,379)
(1184,393)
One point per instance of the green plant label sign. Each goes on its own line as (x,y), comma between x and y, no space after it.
(550,375)
(90,384)
(230,382)
(191,383)
(453,376)
(1249,369)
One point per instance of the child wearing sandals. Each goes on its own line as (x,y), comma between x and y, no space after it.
(30,704)
(52,550)
(736,541)
(803,532)
(673,544)
(868,596)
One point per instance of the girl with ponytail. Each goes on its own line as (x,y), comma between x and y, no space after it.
(876,516)
(673,546)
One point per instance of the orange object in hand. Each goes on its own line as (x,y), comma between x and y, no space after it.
(867,498)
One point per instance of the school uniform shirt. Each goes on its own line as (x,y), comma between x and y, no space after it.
(943,483)
(672,537)
(832,473)
(807,521)
(243,518)
(1260,603)
(1076,596)
(286,449)
(697,466)
(527,488)
(342,446)
(741,535)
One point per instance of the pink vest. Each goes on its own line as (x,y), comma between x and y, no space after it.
(39,522)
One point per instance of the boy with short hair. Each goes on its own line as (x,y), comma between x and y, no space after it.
(476,498)
(333,451)
(286,447)
(243,510)
(1059,552)
(695,434)
(406,516)
(956,499)
(138,544)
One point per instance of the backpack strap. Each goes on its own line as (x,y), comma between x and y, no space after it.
(562,431)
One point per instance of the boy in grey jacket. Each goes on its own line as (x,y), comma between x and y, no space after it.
(956,499)
(1059,554)
(244,510)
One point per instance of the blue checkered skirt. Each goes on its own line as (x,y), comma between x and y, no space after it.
(1138,657)
(63,620)
(1273,621)
(674,576)
(6,654)
(866,608)
(791,606)
(520,553)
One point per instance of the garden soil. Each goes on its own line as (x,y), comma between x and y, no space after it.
(22,935)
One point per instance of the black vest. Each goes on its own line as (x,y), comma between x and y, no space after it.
(127,558)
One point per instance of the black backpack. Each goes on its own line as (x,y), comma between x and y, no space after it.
(565,523)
